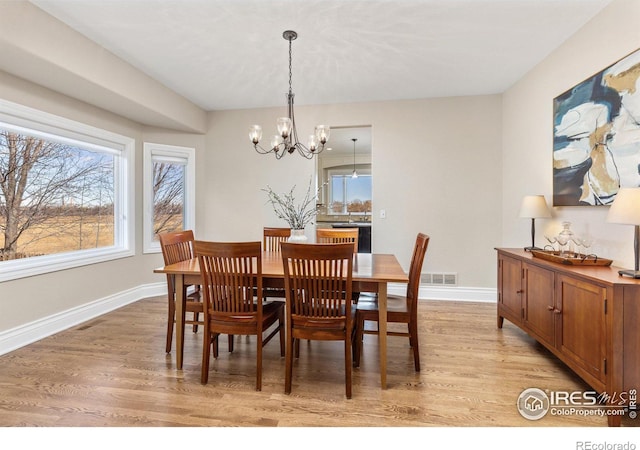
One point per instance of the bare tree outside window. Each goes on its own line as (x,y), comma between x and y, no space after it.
(168,197)
(54,197)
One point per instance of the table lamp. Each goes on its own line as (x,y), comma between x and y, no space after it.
(626,209)
(534,207)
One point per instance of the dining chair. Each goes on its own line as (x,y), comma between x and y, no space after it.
(178,246)
(399,309)
(232,287)
(272,237)
(271,240)
(337,235)
(318,285)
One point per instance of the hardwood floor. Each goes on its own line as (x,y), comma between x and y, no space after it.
(113,371)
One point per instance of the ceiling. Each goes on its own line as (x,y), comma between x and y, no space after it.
(340,141)
(230,54)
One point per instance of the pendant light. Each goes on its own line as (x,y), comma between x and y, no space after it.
(354,174)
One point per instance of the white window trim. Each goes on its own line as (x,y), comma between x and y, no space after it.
(15,116)
(170,151)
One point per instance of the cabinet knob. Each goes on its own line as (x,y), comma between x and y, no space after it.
(550,308)
(519,291)
(557,311)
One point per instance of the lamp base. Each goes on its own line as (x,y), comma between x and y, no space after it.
(528,249)
(630,273)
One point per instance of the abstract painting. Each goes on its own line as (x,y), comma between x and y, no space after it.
(596,136)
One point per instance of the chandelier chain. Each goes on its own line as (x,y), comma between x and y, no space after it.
(290,70)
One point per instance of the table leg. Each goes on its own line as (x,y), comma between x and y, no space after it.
(382,332)
(180,317)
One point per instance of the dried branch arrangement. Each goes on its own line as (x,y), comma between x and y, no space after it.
(297,215)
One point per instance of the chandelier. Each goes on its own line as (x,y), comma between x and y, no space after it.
(286,141)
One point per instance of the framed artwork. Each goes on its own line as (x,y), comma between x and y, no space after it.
(596,136)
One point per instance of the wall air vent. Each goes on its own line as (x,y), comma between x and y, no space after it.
(439,278)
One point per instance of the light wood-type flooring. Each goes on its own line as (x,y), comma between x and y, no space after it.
(113,371)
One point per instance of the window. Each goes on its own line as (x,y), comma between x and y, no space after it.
(169,181)
(64,193)
(350,195)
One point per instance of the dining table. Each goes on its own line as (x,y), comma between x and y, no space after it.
(372,272)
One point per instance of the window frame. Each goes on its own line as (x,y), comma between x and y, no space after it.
(188,154)
(345,171)
(18,117)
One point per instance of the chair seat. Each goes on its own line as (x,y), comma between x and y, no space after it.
(234,323)
(315,323)
(194,303)
(395,305)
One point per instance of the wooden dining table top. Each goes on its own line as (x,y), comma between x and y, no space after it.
(367,267)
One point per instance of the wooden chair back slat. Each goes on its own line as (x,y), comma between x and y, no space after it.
(273,237)
(338,236)
(232,276)
(176,246)
(415,269)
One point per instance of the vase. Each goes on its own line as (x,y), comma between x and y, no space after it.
(297,236)
(565,238)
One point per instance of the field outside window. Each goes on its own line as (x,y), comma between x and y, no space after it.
(63,193)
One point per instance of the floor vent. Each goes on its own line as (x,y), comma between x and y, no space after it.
(439,278)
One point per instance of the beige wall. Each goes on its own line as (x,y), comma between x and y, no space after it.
(528,134)
(436,165)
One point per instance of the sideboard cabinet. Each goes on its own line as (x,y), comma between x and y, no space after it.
(589,317)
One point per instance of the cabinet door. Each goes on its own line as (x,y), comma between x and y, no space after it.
(538,302)
(581,324)
(510,288)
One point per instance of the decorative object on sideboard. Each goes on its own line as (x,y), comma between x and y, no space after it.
(566,239)
(534,207)
(569,246)
(571,259)
(286,141)
(626,210)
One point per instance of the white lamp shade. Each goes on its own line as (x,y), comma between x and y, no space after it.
(533,207)
(625,207)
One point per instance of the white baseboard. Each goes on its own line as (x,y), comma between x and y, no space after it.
(453,293)
(26,334)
